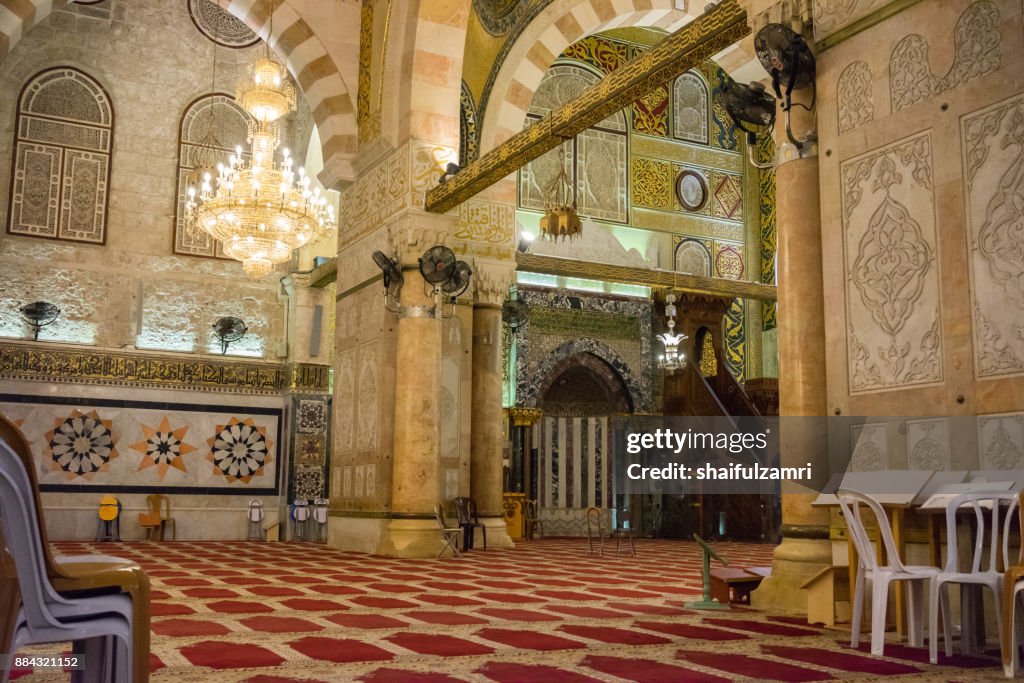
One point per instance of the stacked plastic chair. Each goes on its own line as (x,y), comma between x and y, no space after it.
(300,519)
(320,516)
(110,515)
(100,626)
(255,516)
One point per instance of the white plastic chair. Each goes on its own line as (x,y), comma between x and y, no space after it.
(880,576)
(972,575)
(45,616)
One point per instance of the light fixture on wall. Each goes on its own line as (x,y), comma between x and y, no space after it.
(228,330)
(673,359)
(259,209)
(38,315)
(561,220)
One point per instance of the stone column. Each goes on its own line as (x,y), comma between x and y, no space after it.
(491,286)
(416,477)
(805,547)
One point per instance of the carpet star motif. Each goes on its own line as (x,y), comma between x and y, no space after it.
(240,450)
(81,444)
(163,448)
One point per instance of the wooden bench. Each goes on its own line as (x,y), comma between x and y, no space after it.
(741,581)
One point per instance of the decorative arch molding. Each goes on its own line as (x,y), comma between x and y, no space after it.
(509,93)
(621,400)
(330,100)
(563,356)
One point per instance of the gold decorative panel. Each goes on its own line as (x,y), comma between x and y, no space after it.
(652,183)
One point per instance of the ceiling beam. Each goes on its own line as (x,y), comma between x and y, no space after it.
(657,279)
(709,34)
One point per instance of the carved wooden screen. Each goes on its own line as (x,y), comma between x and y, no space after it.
(61,165)
(595,160)
(228,123)
(691,108)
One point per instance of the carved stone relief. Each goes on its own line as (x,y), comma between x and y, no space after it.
(993,161)
(450,407)
(345,401)
(366,390)
(892,297)
(870,448)
(600,246)
(856,106)
(1001,441)
(928,445)
(832,15)
(978,52)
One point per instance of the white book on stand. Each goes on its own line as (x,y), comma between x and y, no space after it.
(942,497)
(888,487)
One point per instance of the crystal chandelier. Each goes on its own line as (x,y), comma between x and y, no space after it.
(259,209)
(673,359)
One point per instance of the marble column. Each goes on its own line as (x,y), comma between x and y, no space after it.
(805,548)
(416,478)
(486,467)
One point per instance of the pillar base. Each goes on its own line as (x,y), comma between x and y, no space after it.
(794,561)
(497,534)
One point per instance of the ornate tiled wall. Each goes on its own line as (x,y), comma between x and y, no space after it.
(563,323)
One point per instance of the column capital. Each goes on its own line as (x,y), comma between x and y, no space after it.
(491,281)
(525,417)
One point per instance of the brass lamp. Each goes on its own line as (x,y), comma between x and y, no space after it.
(561,220)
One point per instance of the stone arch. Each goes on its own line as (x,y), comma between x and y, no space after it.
(599,356)
(693,257)
(556,28)
(329,98)
(617,399)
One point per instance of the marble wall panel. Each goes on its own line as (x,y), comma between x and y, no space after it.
(928,445)
(870,447)
(144,447)
(1001,441)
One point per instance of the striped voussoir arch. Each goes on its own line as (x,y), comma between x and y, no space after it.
(317,76)
(561,25)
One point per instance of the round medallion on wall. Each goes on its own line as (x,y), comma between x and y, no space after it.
(219,25)
(691,190)
(499,16)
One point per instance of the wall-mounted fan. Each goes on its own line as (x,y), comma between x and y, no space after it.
(393,279)
(515,313)
(437,264)
(787,57)
(750,107)
(39,314)
(458,283)
(228,330)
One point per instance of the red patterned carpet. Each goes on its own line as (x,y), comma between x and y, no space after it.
(545,611)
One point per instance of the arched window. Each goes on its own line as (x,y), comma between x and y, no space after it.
(691,106)
(61,166)
(595,159)
(212,124)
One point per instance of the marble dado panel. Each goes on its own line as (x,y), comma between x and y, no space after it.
(993,167)
(397,183)
(928,446)
(141,447)
(890,246)
(870,447)
(1001,441)
(856,104)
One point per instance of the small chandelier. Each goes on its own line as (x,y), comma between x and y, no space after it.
(561,220)
(260,210)
(673,359)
